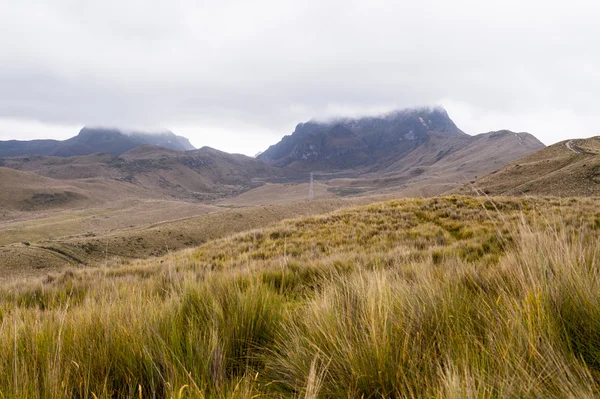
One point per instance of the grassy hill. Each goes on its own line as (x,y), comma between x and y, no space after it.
(442,164)
(157,172)
(29,192)
(568,168)
(131,230)
(446,297)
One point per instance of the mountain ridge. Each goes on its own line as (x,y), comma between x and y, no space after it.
(202,174)
(92,140)
(357,142)
(396,152)
(567,168)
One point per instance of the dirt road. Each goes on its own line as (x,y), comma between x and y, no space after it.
(569,145)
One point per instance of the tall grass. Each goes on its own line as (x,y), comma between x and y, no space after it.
(515,330)
(436,298)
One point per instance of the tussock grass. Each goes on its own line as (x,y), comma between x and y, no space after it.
(450,297)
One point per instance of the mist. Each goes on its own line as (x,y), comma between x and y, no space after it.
(238,77)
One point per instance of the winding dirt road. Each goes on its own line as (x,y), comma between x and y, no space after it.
(569,145)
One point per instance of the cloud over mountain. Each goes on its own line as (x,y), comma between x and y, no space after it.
(253,69)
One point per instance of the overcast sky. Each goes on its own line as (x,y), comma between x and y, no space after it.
(238,75)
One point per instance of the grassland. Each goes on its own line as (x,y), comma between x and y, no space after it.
(132,230)
(279,194)
(445,297)
(557,170)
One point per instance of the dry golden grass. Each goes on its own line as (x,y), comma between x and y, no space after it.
(279,194)
(446,297)
(116,216)
(131,230)
(555,170)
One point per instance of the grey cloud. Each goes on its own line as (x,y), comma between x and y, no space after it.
(271,64)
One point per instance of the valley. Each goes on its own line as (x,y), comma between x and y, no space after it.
(67,206)
(424,260)
(299,200)
(96,209)
(132,229)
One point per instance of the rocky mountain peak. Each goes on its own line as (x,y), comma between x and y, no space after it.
(92,140)
(350,142)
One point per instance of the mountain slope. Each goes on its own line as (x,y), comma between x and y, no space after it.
(483,153)
(202,174)
(567,168)
(442,164)
(414,152)
(24,191)
(415,145)
(359,143)
(92,140)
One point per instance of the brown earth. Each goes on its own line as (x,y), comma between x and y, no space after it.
(567,168)
(279,194)
(155,172)
(98,209)
(88,238)
(23,193)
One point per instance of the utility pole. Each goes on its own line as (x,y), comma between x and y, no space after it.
(311,194)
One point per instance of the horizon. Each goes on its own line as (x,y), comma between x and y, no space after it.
(332,119)
(238,76)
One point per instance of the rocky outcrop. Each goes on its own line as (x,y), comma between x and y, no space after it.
(348,143)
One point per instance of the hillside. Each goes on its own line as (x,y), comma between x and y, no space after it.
(567,168)
(354,143)
(132,229)
(27,192)
(202,174)
(93,140)
(442,164)
(412,152)
(444,298)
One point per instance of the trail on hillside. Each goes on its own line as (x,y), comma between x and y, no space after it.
(570,147)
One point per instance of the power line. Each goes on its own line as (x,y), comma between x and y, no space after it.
(311,194)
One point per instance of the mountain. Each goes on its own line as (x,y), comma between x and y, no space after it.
(359,143)
(443,164)
(152,171)
(92,140)
(567,168)
(467,154)
(415,152)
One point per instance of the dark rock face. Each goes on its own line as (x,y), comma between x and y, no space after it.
(358,142)
(94,140)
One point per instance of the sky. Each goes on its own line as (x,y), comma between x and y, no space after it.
(239,75)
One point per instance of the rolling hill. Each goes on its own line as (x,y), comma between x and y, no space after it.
(567,168)
(202,174)
(28,192)
(93,140)
(418,152)
(413,152)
